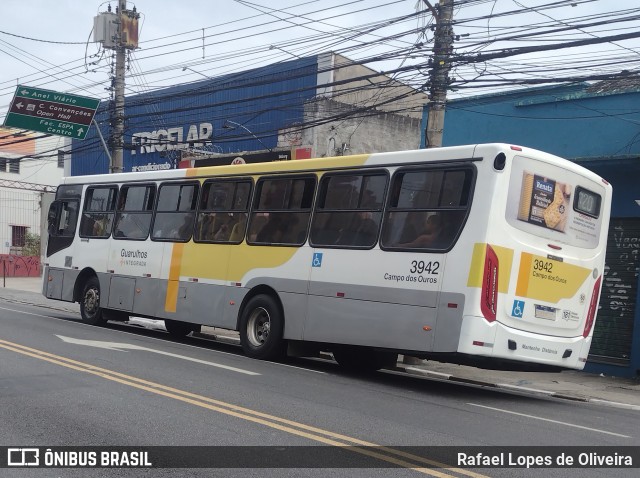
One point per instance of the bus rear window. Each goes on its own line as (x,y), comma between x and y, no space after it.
(555,203)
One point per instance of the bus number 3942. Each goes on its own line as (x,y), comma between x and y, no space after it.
(422,267)
(539,265)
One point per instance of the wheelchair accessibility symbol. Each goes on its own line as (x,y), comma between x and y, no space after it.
(317,259)
(518,308)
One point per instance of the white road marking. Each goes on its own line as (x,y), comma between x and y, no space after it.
(122,346)
(166,353)
(549,420)
(299,368)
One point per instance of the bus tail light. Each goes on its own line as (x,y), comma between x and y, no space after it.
(593,305)
(489,299)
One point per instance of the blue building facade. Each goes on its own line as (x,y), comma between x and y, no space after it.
(237,112)
(597,126)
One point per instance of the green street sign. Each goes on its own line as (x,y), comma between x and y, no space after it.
(51,112)
(60,128)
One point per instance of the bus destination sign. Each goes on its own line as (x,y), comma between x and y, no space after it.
(51,112)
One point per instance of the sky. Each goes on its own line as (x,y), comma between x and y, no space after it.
(186,41)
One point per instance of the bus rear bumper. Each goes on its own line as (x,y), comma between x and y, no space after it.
(500,342)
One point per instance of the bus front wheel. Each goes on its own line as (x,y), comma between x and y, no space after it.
(261,329)
(90,310)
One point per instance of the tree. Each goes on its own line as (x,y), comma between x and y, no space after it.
(31,245)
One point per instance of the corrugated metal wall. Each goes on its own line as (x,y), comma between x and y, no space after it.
(263,100)
(613,333)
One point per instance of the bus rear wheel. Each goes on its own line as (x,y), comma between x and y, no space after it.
(359,359)
(180,329)
(261,329)
(90,310)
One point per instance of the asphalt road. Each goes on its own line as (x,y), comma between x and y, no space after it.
(63,383)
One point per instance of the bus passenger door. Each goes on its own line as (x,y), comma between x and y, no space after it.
(136,277)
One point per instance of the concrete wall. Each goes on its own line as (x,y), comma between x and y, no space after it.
(373,90)
(370,132)
(17,208)
(19,204)
(19,266)
(38,156)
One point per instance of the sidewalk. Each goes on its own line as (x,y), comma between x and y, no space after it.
(570,384)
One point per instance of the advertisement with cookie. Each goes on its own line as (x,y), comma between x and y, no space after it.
(544,201)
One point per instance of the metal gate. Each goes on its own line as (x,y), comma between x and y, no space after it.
(613,332)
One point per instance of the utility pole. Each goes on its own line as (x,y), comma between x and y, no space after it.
(119,32)
(117,119)
(442,49)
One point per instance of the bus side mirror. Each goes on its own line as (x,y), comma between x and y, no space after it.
(53,216)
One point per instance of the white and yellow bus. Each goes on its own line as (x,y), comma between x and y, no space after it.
(490,255)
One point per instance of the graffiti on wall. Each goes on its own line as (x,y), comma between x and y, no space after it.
(19,266)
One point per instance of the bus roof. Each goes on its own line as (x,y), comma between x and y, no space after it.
(452,153)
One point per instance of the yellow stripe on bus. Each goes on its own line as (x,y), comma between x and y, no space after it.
(171,300)
(477,265)
(522,285)
(505,261)
(233,262)
(547,279)
(299,165)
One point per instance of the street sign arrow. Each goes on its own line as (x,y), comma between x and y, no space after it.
(122,347)
(51,112)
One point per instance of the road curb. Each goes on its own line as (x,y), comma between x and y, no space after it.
(44,306)
(410,370)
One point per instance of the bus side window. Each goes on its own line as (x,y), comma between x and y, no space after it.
(134,210)
(222,213)
(176,211)
(426,208)
(349,210)
(98,214)
(282,207)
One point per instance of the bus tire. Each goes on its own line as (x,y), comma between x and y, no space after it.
(177,328)
(90,309)
(261,328)
(357,359)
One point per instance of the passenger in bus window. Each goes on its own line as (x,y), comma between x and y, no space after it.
(223,230)
(205,226)
(100,226)
(123,226)
(273,230)
(185,230)
(237,232)
(430,234)
(211,223)
(366,229)
(361,230)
